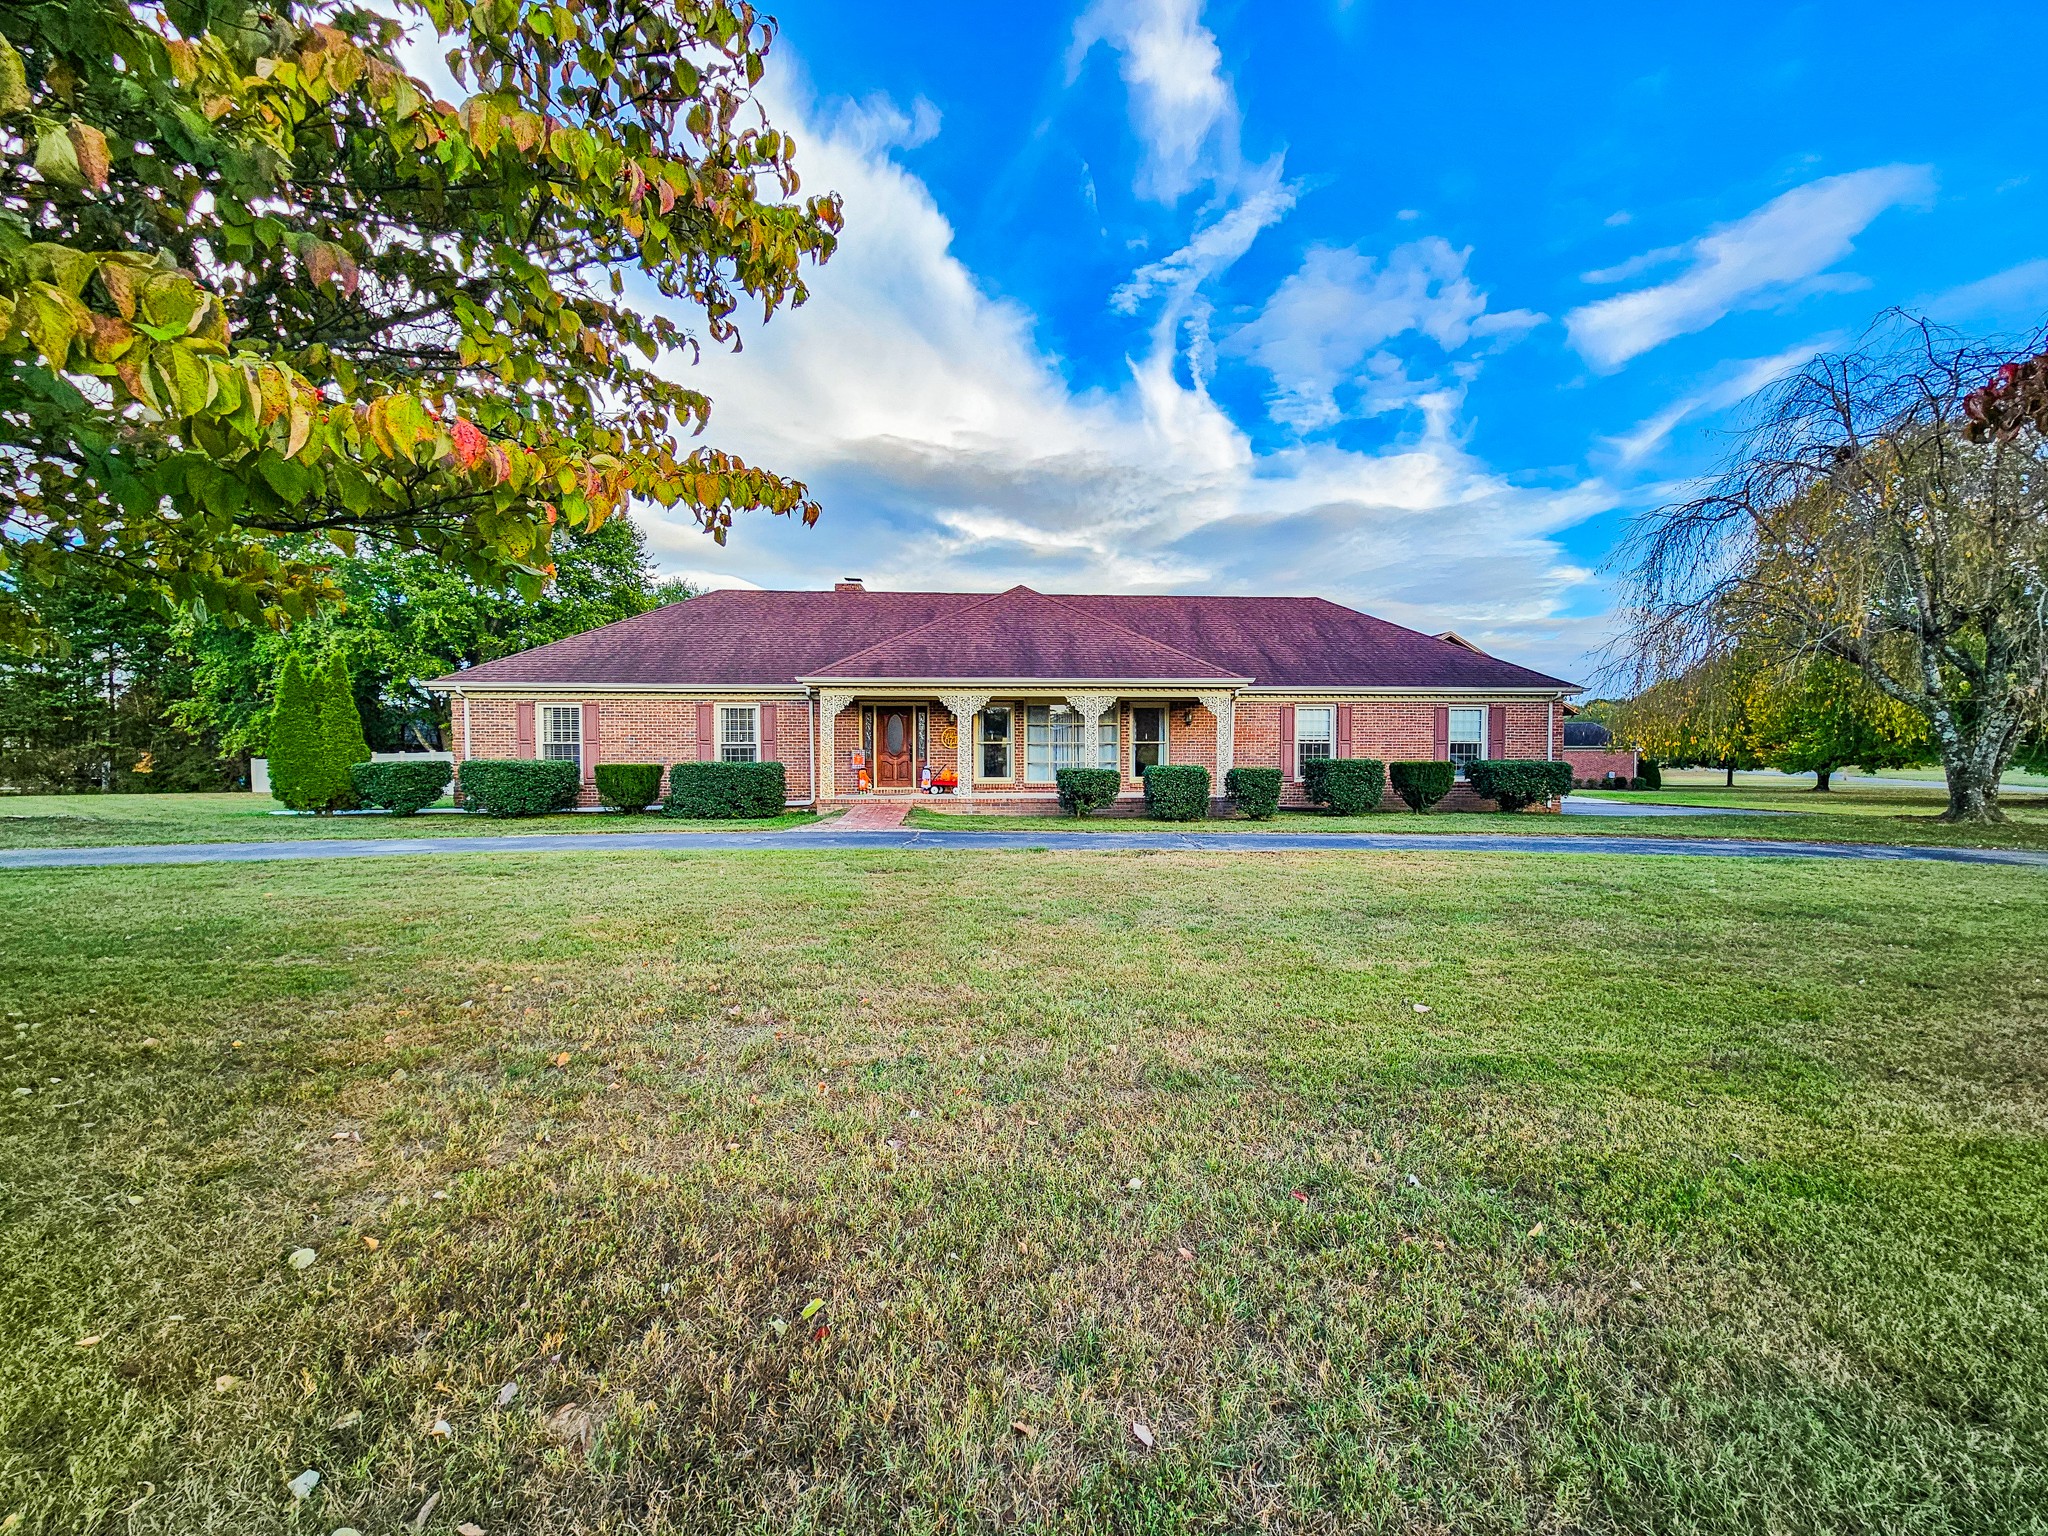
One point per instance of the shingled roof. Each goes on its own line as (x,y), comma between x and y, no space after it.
(740,639)
(1024,635)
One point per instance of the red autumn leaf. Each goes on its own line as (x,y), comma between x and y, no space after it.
(470,445)
(1301,1195)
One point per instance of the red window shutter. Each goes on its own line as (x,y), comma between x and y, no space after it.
(1343,730)
(522,737)
(1497,731)
(770,753)
(590,744)
(707,745)
(1443,732)
(1287,741)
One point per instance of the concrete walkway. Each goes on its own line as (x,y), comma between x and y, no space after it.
(831,836)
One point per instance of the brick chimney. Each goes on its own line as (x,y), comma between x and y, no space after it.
(849,584)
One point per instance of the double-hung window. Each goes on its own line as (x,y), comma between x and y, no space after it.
(739,733)
(1468,737)
(561,733)
(1054,738)
(1148,739)
(995,742)
(1315,735)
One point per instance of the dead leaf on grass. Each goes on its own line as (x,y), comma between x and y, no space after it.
(1142,1433)
(571,1425)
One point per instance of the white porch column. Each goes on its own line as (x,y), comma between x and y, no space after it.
(1091,707)
(1224,707)
(831,702)
(964,707)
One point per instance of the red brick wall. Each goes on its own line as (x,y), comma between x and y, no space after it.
(638,728)
(651,728)
(1592,764)
(1392,730)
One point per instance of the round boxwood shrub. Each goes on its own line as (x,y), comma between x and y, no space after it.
(517,786)
(1649,775)
(1087,789)
(725,791)
(403,789)
(1177,791)
(1516,783)
(1421,784)
(628,787)
(1254,791)
(1349,786)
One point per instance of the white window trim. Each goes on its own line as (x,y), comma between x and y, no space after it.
(754,711)
(1485,715)
(1328,709)
(540,730)
(1165,738)
(1015,712)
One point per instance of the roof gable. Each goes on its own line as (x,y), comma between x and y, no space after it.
(1022,634)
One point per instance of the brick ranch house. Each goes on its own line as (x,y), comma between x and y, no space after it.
(862,694)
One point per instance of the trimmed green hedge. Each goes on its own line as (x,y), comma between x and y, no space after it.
(1516,783)
(1254,791)
(403,789)
(1349,786)
(1421,784)
(628,787)
(517,786)
(1648,774)
(1176,792)
(1087,789)
(725,791)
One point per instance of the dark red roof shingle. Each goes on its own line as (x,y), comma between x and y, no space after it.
(1024,634)
(771,639)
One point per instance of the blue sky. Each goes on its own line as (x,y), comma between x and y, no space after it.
(1403,306)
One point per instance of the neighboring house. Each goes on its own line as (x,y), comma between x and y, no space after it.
(1589,747)
(999,691)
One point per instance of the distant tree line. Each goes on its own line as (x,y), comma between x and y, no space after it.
(125,693)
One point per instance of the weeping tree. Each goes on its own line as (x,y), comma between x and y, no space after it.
(263,291)
(1886,508)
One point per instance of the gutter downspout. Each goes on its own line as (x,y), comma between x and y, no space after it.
(811,704)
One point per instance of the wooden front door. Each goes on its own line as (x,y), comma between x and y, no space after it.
(895,749)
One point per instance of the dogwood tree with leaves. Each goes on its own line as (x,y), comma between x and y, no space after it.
(257,283)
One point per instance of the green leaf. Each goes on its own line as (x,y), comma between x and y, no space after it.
(56,159)
(14,95)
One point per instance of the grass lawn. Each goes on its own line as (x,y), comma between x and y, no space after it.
(84,821)
(1888,814)
(832,1191)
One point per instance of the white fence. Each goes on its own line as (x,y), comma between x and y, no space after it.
(259,767)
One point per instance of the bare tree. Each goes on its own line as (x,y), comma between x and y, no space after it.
(1887,507)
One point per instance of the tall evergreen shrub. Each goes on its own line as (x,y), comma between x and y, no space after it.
(342,742)
(297,774)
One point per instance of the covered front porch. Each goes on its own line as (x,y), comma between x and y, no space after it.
(1001,747)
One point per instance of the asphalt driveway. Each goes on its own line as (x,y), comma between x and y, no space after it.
(952,841)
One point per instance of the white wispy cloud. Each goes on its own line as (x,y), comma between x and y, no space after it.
(951,451)
(1182,108)
(1326,324)
(2016,296)
(1779,252)
(1730,384)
